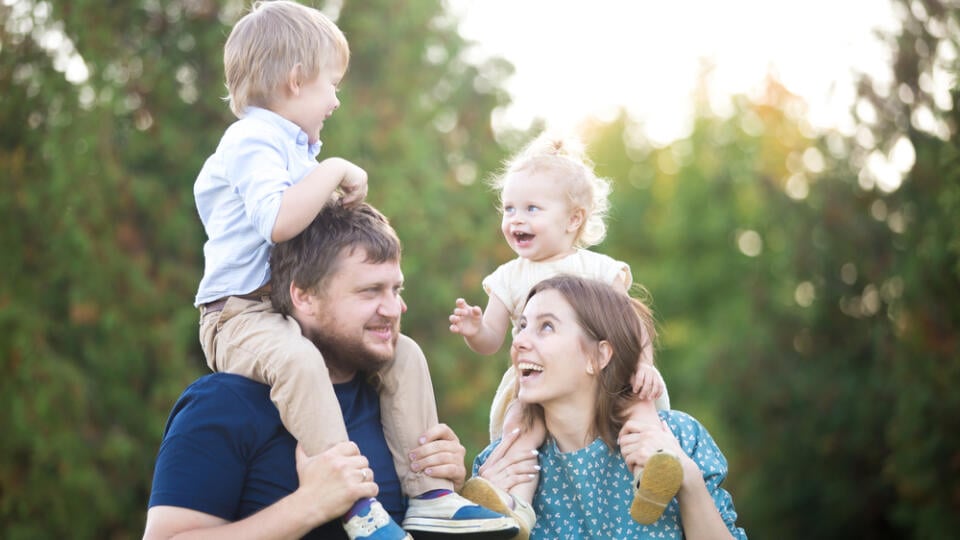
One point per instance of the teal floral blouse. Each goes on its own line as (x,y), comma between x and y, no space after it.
(586,494)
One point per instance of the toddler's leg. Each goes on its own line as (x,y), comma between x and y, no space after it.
(258,343)
(504,397)
(528,440)
(655,484)
(511,451)
(408,409)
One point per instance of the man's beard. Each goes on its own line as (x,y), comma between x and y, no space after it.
(346,353)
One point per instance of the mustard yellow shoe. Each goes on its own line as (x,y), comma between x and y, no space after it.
(489,496)
(654,487)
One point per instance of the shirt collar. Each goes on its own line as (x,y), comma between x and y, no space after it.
(288,127)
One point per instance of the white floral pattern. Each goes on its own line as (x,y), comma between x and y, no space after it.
(586,494)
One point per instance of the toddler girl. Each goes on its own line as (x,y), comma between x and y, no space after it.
(553,207)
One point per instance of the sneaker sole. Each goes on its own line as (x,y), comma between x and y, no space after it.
(482,492)
(487,535)
(485,528)
(659,482)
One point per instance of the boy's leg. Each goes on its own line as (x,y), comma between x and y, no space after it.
(249,338)
(408,408)
(253,340)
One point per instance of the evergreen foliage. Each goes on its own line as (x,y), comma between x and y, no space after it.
(809,312)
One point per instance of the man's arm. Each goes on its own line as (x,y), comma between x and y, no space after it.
(330,482)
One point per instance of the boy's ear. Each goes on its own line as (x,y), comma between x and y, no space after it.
(577,218)
(294,80)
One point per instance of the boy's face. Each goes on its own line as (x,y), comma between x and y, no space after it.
(313,101)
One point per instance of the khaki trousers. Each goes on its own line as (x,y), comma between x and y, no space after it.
(249,338)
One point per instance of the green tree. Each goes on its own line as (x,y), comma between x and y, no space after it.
(103,243)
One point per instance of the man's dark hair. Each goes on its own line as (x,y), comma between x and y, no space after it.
(312,256)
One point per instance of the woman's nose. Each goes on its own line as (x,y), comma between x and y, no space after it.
(520,341)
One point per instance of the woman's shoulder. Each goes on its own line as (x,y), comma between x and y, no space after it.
(684,426)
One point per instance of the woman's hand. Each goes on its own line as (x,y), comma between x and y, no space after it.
(638,441)
(511,463)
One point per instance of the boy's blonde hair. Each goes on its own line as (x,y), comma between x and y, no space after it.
(565,158)
(269,42)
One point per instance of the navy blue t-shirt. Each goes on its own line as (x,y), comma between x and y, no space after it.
(226,453)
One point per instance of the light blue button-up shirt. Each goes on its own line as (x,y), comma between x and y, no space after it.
(238,194)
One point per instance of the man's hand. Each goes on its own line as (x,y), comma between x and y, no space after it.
(331,481)
(466,320)
(440,455)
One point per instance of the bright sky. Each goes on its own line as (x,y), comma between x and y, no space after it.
(576,59)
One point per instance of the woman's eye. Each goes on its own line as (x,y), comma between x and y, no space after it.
(546,327)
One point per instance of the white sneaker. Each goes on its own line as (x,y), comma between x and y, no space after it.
(451,515)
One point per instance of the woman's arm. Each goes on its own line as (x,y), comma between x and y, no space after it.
(701,517)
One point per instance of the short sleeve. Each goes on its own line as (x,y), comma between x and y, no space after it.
(201,464)
(697,442)
(497,285)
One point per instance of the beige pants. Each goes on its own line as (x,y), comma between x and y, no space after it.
(249,338)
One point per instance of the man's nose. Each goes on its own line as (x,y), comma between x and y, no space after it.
(393,306)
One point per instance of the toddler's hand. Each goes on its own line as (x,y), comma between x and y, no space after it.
(466,320)
(353,185)
(647,382)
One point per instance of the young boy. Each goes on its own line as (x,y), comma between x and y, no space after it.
(263,185)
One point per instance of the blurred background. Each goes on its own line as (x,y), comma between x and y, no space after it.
(802,252)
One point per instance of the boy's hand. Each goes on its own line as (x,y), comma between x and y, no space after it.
(353,185)
(647,382)
(466,320)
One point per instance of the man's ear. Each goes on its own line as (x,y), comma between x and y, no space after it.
(577,218)
(302,299)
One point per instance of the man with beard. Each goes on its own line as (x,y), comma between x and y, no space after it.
(227,467)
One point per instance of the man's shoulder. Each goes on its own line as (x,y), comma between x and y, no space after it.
(229,394)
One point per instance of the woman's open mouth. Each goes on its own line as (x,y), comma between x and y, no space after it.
(527,369)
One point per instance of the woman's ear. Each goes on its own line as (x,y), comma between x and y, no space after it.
(606,353)
(597,362)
